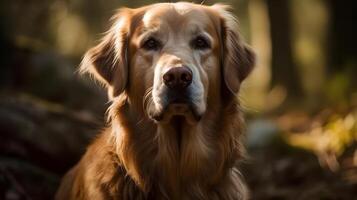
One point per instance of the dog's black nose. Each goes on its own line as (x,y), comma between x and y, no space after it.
(178,77)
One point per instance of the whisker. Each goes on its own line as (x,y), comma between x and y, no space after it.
(147,98)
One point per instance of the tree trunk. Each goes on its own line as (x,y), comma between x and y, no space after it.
(342,38)
(284,70)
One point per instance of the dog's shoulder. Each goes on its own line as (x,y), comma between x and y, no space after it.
(90,178)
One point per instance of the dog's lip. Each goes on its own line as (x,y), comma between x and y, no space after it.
(177,109)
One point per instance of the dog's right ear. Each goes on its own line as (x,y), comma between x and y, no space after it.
(107,62)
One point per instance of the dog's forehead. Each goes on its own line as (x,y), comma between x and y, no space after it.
(177,15)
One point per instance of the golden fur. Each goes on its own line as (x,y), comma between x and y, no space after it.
(137,157)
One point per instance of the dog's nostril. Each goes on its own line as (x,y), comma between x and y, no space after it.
(186,77)
(178,77)
(169,78)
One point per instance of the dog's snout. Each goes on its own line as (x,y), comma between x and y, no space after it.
(178,77)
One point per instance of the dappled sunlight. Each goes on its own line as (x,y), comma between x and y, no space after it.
(310,19)
(326,135)
(72,36)
(256,87)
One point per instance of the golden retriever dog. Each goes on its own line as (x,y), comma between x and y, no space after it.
(173,72)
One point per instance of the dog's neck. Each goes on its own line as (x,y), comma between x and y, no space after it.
(176,153)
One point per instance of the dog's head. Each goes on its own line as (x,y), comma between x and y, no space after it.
(171,59)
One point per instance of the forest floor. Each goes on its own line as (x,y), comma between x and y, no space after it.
(279,171)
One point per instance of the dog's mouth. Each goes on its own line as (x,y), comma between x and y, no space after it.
(168,104)
(176,110)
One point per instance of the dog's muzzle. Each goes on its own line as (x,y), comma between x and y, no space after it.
(176,99)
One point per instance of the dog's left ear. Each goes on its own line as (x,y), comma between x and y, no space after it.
(238,59)
(107,61)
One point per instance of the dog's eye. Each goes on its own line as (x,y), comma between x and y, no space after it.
(200,43)
(151,44)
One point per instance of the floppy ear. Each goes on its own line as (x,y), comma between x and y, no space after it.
(238,59)
(107,62)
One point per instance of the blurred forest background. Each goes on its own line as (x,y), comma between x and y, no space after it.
(300,102)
